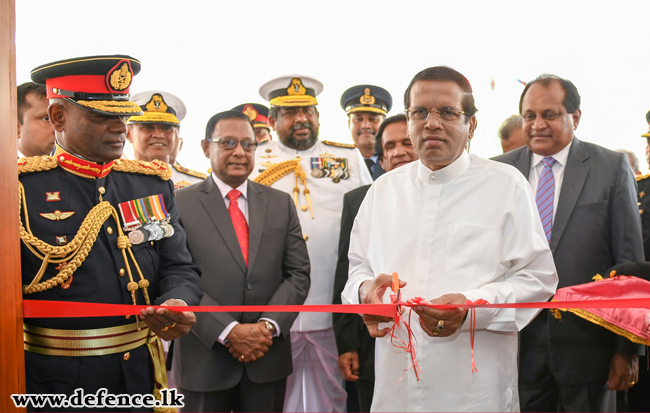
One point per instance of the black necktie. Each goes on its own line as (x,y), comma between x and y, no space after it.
(370,164)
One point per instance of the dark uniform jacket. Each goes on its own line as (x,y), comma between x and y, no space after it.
(166,264)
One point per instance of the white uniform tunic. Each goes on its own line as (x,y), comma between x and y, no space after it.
(316,384)
(471,228)
(183,177)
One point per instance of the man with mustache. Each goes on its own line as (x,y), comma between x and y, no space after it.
(586,197)
(366,107)
(154,135)
(317,174)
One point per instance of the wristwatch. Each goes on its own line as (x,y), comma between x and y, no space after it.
(270,326)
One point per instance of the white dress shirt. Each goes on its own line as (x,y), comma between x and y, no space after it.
(471,228)
(242,203)
(536,167)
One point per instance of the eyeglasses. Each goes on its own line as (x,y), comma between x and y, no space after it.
(248,146)
(445,114)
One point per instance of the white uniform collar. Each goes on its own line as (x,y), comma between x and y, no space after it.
(296,152)
(225,188)
(446,174)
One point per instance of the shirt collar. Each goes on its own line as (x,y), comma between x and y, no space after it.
(446,174)
(559,157)
(225,188)
(373,158)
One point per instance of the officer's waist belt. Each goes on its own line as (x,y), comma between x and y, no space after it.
(80,343)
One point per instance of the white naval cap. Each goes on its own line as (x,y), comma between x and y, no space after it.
(158,107)
(291,90)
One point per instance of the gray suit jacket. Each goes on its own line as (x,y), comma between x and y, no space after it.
(596,226)
(277,274)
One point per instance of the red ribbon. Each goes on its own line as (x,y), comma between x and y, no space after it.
(57,309)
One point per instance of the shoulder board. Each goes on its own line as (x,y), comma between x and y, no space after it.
(155,167)
(188,171)
(642,177)
(37,164)
(339,144)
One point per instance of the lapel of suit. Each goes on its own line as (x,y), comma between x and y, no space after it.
(575,176)
(215,206)
(522,161)
(256,215)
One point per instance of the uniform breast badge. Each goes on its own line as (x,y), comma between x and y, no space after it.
(330,167)
(56,215)
(53,196)
(146,219)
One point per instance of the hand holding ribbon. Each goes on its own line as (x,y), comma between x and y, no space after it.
(168,324)
(432,319)
(372,292)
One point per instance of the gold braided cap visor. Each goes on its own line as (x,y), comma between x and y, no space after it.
(366,109)
(646,135)
(154,117)
(294,100)
(109,107)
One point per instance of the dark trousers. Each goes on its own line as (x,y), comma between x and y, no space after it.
(365,388)
(639,395)
(539,391)
(244,397)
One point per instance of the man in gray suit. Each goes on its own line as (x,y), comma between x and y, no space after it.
(586,196)
(239,361)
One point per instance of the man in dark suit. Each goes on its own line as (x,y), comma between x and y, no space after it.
(587,201)
(366,107)
(356,347)
(239,361)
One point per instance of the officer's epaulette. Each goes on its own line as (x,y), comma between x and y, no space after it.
(37,164)
(339,144)
(188,171)
(263,141)
(154,167)
(642,177)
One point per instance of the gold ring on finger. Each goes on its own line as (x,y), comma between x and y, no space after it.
(173,325)
(164,330)
(260,355)
(440,326)
(632,383)
(242,357)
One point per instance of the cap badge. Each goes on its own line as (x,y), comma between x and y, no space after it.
(250,112)
(367,98)
(119,77)
(296,87)
(156,104)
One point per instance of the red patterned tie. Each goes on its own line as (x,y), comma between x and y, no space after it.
(239,222)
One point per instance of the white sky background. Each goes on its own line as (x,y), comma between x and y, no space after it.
(216,54)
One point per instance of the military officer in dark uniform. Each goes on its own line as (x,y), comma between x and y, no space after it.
(366,107)
(259,114)
(99,229)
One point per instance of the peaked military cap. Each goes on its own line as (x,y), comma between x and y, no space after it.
(366,98)
(647,118)
(292,90)
(95,83)
(158,107)
(259,114)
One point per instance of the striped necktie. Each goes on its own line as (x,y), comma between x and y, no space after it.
(546,195)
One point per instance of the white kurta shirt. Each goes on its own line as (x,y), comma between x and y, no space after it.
(471,228)
(322,232)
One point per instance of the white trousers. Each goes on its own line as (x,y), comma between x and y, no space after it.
(316,384)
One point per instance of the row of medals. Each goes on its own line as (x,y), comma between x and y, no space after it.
(151,231)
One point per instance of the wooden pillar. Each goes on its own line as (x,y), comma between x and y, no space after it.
(12,356)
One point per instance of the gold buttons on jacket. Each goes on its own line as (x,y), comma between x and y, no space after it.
(109,230)
(127,356)
(306,237)
(122,272)
(101,190)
